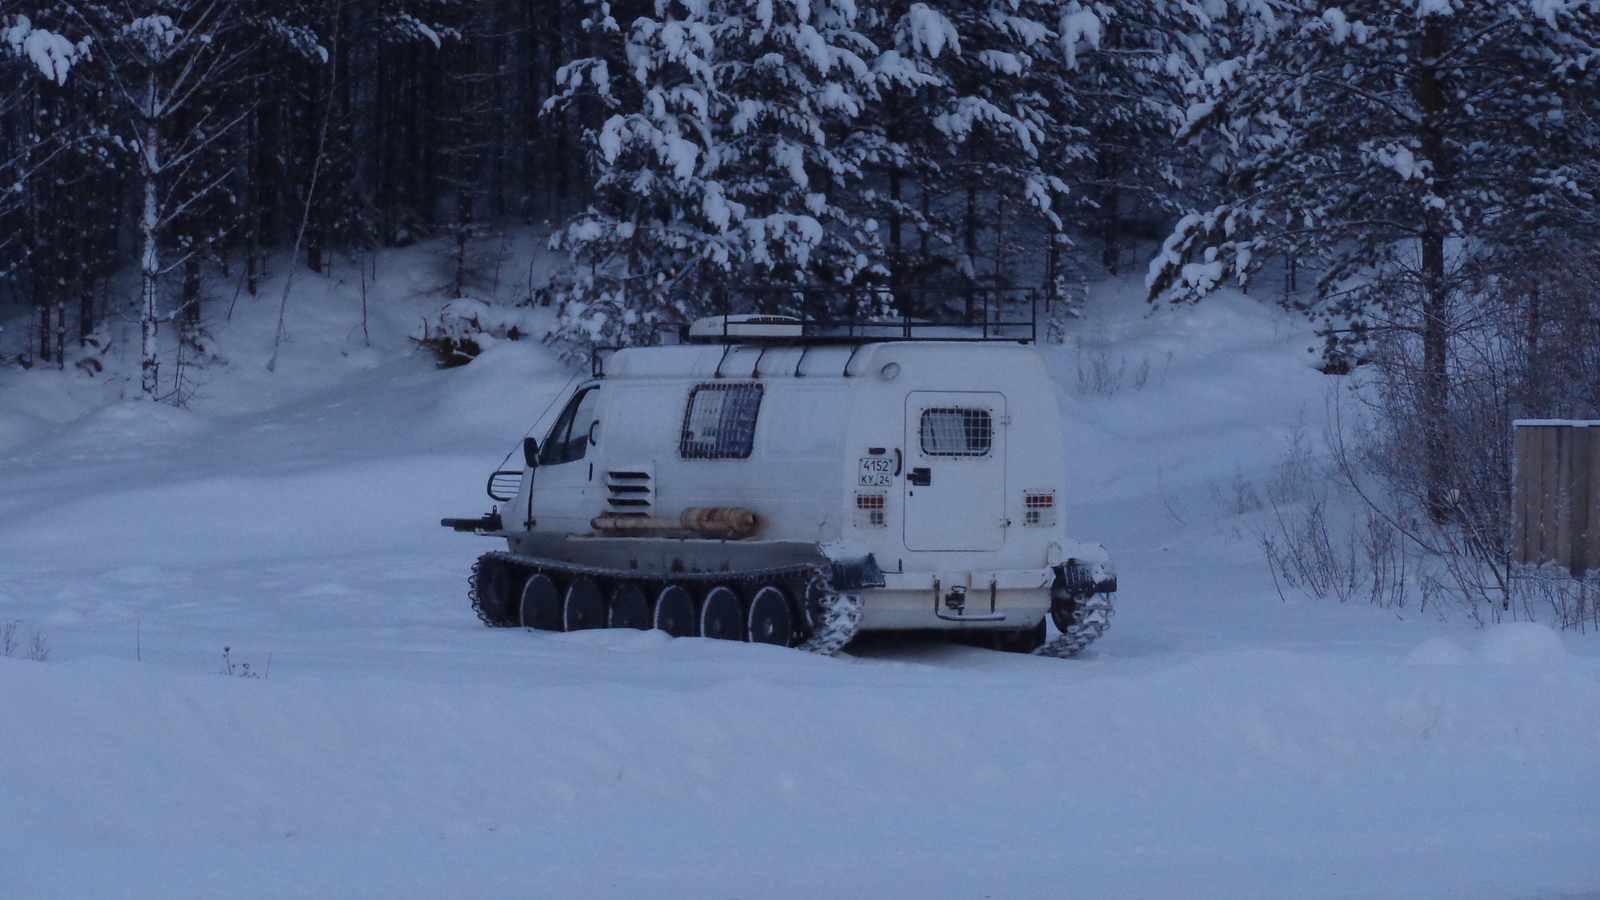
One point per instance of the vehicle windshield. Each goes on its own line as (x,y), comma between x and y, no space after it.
(569,439)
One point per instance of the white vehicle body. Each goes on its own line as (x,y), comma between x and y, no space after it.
(938,464)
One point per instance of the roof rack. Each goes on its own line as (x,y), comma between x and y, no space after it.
(798,316)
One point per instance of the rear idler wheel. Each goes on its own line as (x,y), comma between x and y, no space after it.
(771,618)
(675,612)
(541,604)
(630,608)
(583,607)
(722,615)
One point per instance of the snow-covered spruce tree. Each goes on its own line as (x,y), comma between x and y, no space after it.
(1396,145)
(1014,128)
(727,131)
(1126,81)
(976,119)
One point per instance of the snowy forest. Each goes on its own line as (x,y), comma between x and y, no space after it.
(1417,176)
(1416,167)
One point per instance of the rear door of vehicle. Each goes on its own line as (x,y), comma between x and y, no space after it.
(955,470)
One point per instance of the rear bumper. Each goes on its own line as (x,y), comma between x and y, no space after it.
(1013,598)
(965,601)
(898,610)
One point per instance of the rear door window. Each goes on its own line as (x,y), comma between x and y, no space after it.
(956,431)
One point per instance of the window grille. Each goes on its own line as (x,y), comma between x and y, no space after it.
(953,431)
(720,421)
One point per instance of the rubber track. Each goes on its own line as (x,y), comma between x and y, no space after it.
(832,626)
(1089,621)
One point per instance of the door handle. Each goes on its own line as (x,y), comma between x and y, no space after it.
(920,476)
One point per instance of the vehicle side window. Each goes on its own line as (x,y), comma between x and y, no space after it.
(954,431)
(720,421)
(569,439)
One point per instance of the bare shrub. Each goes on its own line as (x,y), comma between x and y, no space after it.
(1245,498)
(1098,372)
(241,669)
(1102,372)
(1321,543)
(1551,592)
(1311,549)
(38,649)
(1521,346)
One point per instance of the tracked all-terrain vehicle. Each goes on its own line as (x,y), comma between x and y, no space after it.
(770,481)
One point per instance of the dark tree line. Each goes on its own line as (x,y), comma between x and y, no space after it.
(975,142)
(1416,168)
(167,135)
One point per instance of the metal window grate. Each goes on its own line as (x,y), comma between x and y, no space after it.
(956,431)
(720,421)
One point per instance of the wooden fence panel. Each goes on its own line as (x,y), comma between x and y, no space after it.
(1556,493)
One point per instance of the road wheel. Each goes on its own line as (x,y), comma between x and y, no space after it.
(674,612)
(583,607)
(722,615)
(540,605)
(771,618)
(630,608)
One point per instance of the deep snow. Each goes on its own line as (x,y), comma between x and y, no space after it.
(1219,742)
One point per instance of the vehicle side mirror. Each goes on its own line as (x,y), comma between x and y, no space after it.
(530,452)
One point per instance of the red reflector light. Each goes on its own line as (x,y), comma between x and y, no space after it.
(869,501)
(1039,501)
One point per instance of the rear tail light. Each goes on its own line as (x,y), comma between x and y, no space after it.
(870,510)
(1039,508)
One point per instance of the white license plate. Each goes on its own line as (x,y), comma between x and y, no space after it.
(874,472)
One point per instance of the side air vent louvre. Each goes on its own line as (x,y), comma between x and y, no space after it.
(630,492)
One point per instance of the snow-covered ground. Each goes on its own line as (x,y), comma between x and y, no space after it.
(1219,742)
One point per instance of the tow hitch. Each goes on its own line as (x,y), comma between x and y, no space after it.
(955,600)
